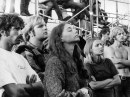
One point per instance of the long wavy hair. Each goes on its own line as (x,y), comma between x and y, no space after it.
(57,48)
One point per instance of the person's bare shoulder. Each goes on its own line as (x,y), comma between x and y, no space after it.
(108,51)
(128,50)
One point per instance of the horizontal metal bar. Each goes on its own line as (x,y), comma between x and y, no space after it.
(118,1)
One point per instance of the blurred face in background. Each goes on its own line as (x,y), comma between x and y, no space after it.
(125,36)
(105,36)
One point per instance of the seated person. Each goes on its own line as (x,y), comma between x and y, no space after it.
(34,50)
(104,35)
(104,75)
(64,70)
(17,78)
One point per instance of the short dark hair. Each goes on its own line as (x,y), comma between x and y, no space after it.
(10,20)
(104,31)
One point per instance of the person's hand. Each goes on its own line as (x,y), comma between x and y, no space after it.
(93,78)
(62,94)
(116,61)
(109,80)
(32,79)
(107,87)
(83,92)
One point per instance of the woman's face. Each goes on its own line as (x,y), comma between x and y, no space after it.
(70,34)
(98,47)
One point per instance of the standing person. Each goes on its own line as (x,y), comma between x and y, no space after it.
(24,8)
(119,56)
(3,6)
(104,75)
(17,78)
(64,71)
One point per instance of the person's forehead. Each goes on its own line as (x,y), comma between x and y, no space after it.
(120,31)
(68,25)
(97,41)
(40,23)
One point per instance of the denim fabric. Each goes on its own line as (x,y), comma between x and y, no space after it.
(123,90)
(104,93)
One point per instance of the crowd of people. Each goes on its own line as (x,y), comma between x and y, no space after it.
(35,64)
(63,63)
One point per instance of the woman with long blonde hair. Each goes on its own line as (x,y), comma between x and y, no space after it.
(104,75)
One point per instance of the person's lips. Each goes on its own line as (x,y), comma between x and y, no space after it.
(76,35)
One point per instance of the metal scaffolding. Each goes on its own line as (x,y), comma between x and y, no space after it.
(117,15)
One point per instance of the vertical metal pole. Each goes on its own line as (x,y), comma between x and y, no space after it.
(91,17)
(97,13)
(79,26)
(112,22)
(117,10)
(104,4)
(36,7)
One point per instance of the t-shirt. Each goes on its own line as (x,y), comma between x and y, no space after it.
(14,68)
(106,69)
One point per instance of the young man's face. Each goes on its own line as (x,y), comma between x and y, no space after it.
(41,31)
(14,36)
(105,36)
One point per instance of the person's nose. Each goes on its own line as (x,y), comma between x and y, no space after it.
(100,46)
(45,27)
(122,35)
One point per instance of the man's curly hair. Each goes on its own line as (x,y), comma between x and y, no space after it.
(10,20)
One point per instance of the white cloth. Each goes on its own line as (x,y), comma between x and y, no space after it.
(14,68)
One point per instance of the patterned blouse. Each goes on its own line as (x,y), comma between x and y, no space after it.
(59,77)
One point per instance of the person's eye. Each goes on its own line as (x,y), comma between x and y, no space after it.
(69,30)
(119,34)
(97,45)
(40,26)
